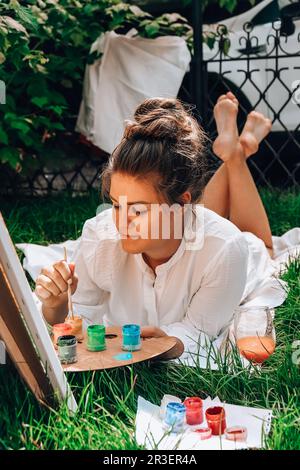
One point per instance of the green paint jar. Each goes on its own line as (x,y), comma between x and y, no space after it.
(67,349)
(96,338)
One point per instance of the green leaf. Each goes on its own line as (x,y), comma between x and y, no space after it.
(58,126)
(21,125)
(25,14)
(40,101)
(57,109)
(10,155)
(3,136)
(152,28)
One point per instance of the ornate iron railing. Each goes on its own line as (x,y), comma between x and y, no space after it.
(261,71)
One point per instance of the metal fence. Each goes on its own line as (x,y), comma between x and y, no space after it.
(269,82)
(259,64)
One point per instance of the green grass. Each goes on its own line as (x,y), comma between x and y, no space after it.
(108,400)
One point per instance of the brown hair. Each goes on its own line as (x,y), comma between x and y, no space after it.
(165,140)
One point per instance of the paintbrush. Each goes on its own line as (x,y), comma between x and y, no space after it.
(70,305)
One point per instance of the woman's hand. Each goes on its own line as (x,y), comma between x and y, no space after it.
(51,288)
(152,332)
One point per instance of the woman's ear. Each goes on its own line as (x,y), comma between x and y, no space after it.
(185,198)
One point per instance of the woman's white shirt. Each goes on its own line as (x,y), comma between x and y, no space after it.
(196,290)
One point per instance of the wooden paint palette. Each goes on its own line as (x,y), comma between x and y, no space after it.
(150,348)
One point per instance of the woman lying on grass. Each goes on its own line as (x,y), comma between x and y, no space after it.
(172,255)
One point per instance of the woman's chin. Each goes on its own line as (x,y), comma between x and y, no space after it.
(131,245)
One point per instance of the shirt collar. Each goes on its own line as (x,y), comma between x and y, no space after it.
(162,268)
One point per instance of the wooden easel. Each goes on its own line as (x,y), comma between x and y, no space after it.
(24,331)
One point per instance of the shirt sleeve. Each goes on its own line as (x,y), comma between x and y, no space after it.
(211,309)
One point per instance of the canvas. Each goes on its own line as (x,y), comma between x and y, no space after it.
(24,331)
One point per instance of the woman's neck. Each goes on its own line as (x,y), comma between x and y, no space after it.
(154,260)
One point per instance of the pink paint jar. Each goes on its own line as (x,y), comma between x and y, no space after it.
(236,433)
(194,410)
(76,325)
(203,433)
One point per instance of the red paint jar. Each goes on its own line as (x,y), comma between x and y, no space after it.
(215,417)
(194,410)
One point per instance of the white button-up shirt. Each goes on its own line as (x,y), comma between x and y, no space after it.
(194,291)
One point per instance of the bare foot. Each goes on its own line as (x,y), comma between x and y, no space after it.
(256,128)
(227,143)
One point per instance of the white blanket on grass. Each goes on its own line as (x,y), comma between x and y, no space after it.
(286,248)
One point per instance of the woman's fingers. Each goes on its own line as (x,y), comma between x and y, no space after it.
(148,331)
(152,332)
(42,293)
(47,283)
(74,283)
(56,277)
(53,281)
(63,269)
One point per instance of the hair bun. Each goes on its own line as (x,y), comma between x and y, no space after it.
(160,118)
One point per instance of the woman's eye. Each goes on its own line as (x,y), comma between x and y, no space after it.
(138,210)
(116,207)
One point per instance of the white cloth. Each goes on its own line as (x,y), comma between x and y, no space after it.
(130,70)
(194,293)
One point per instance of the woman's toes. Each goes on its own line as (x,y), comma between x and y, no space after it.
(225,112)
(222,97)
(255,130)
(232,97)
(269,124)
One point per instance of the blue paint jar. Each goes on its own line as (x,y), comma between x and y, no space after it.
(175,417)
(131,337)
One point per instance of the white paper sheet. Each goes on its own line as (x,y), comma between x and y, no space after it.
(150,433)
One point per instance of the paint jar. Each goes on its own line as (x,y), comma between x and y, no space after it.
(60,329)
(175,417)
(194,410)
(96,338)
(76,324)
(131,337)
(236,433)
(67,349)
(164,402)
(215,417)
(203,433)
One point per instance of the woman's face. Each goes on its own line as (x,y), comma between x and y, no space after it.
(143,218)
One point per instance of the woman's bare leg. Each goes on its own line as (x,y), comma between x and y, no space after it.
(246,209)
(216,193)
